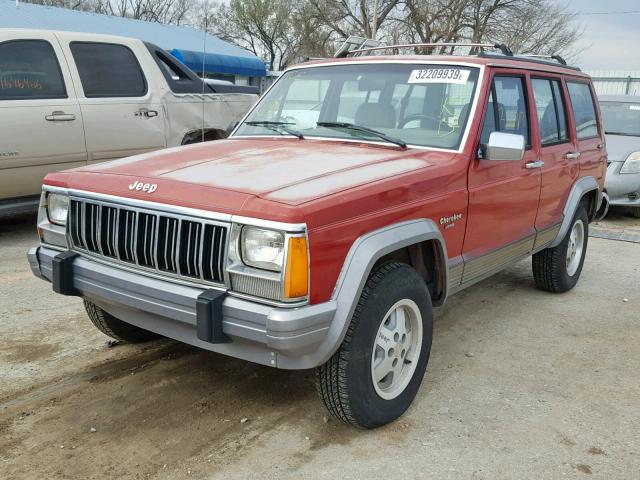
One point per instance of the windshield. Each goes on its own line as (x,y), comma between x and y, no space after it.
(621,118)
(423,105)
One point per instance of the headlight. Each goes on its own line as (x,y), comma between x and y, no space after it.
(262,248)
(57,208)
(631,164)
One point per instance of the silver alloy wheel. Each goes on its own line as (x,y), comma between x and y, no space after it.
(397,349)
(575,248)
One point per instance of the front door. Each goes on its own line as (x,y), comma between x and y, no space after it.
(503,195)
(122,110)
(40,120)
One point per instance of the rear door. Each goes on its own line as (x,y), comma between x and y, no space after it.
(503,195)
(121,107)
(589,134)
(556,147)
(40,120)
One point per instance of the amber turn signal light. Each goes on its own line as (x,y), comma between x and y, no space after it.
(296,277)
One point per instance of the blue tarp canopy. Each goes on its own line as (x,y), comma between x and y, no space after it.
(219,63)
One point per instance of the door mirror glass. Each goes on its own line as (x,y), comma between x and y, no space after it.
(505,147)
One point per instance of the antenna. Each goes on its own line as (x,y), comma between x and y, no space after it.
(204,58)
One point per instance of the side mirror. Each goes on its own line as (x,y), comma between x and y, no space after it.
(505,147)
(231,128)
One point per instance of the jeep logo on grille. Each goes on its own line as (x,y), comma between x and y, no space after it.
(144,187)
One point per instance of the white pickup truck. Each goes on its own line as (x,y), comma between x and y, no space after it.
(68,99)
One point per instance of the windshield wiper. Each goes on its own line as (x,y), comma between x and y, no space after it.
(360,128)
(277,127)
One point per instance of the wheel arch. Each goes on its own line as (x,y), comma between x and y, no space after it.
(196,135)
(367,251)
(584,191)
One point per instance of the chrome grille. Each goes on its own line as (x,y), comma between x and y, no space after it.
(184,246)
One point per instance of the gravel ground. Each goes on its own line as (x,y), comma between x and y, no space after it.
(521,384)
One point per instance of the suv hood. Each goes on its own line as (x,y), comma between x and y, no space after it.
(619,147)
(287,170)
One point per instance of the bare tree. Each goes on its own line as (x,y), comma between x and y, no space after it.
(284,31)
(265,27)
(352,17)
(527,26)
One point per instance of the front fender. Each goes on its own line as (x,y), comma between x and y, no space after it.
(362,256)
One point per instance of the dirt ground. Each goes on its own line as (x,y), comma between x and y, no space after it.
(521,384)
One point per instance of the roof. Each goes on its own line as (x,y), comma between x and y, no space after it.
(168,37)
(490,61)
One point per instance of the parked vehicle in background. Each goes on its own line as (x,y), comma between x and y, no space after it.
(357,194)
(72,99)
(621,117)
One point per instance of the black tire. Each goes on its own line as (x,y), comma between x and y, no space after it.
(635,212)
(114,328)
(550,265)
(345,384)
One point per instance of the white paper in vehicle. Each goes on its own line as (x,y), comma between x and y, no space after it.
(440,75)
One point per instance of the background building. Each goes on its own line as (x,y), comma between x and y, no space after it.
(205,54)
(616,82)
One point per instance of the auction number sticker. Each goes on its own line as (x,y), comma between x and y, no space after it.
(439,75)
(634,107)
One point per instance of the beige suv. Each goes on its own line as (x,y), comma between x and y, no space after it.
(72,99)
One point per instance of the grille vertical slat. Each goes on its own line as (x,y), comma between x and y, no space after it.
(168,244)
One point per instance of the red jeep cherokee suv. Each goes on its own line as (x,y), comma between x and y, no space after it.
(357,194)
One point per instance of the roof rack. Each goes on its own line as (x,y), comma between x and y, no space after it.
(344,52)
(354,43)
(359,46)
(555,57)
(555,60)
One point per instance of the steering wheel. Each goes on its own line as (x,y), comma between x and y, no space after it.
(419,116)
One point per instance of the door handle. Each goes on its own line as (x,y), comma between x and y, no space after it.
(600,146)
(59,116)
(146,113)
(536,164)
(572,155)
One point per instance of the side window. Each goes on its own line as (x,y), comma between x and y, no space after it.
(303,102)
(552,119)
(108,70)
(414,103)
(507,109)
(29,69)
(356,93)
(584,111)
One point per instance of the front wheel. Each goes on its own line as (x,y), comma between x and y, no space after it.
(116,328)
(376,373)
(558,269)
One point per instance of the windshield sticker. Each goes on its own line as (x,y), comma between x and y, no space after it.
(634,107)
(439,75)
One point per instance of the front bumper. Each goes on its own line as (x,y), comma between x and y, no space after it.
(279,337)
(623,189)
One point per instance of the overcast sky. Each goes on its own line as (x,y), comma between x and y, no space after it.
(612,41)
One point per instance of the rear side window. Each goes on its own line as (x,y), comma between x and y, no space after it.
(552,118)
(29,69)
(108,70)
(584,110)
(507,109)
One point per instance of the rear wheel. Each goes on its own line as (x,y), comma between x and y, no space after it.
(635,212)
(558,269)
(376,373)
(115,328)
